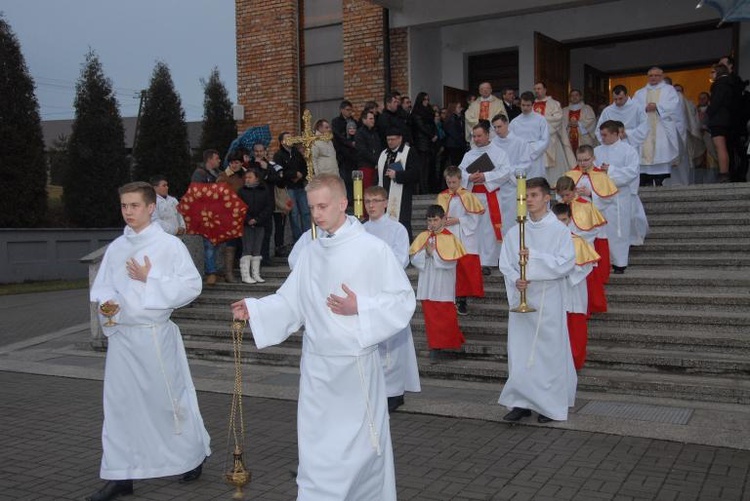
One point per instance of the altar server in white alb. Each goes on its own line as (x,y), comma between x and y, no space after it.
(533,129)
(351,293)
(519,158)
(635,129)
(662,145)
(152,424)
(630,113)
(541,375)
(486,187)
(397,353)
(166,213)
(620,161)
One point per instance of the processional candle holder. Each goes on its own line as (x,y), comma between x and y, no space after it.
(521,211)
(357,183)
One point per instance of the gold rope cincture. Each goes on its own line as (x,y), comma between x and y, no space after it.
(238,476)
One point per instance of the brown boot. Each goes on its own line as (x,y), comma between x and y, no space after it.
(211,279)
(229,264)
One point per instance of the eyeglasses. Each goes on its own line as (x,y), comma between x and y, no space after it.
(374,200)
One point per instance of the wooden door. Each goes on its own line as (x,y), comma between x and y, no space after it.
(595,87)
(552,66)
(454,95)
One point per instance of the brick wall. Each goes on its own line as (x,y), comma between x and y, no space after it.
(363,52)
(268,79)
(269,51)
(400,60)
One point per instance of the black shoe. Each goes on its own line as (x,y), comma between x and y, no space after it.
(516,414)
(543,419)
(618,270)
(461,307)
(193,474)
(486,271)
(395,402)
(112,490)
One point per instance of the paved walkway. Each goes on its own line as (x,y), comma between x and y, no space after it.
(50,403)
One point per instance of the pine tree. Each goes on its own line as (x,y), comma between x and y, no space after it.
(23,194)
(219,128)
(162,143)
(97,160)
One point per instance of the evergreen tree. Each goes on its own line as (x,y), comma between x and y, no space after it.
(162,143)
(219,128)
(23,194)
(97,160)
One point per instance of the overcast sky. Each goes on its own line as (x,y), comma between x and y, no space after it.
(191,36)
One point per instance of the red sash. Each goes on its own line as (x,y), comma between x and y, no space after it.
(494,206)
(469,279)
(441,325)
(578,333)
(573,131)
(484,110)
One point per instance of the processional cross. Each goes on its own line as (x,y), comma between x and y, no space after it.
(307,138)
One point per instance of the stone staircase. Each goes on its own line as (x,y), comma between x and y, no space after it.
(678,324)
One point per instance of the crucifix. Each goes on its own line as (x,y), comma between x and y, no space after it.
(307,138)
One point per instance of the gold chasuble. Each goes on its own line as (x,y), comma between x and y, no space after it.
(471,204)
(585,252)
(601,183)
(585,215)
(448,247)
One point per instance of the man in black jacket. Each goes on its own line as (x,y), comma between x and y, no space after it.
(391,118)
(367,141)
(295,176)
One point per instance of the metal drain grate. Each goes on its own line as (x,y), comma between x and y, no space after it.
(653,413)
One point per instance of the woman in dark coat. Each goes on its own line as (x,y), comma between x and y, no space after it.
(424,139)
(455,139)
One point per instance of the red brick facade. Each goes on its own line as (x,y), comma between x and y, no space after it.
(363,52)
(269,52)
(268,63)
(400,60)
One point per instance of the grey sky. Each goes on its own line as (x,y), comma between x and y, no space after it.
(191,36)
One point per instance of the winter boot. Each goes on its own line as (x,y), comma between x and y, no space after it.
(256,269)
(245,269)
(229,264)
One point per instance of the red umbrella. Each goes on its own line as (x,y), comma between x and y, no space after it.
(213,210)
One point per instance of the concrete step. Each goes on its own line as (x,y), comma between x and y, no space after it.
(700,220)
(489,312)
(692,245)
(688,259)
(489,337)
(726,299)
(687,206)
(711,388)
(702,233)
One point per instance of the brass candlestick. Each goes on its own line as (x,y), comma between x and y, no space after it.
(521,211)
